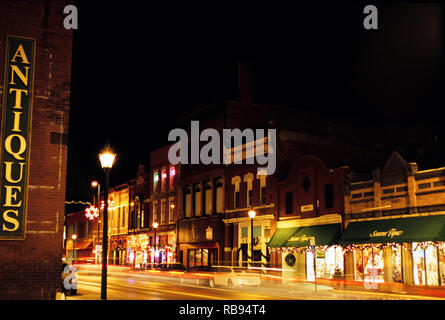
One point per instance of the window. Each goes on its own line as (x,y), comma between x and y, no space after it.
(424,185)
(289,206)
(368,194)
(244,232)
(249,197)
(171,209)
(236,204)
(401,189)
(207,197)
(219,195)
(155,181)
(172,177)
(390,190)
(155,211)
(356,195)
(329,195)
(163,210)
(163,179)
(263,195)
(197,200)
(262,188)
(188,202)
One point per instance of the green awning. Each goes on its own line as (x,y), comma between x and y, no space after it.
(280,237)
(327,234)
(414,229)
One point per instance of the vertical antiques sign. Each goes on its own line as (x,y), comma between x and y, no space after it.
(16,136)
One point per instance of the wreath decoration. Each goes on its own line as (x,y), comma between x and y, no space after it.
(290,260)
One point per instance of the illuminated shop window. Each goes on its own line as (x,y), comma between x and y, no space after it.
(425,268)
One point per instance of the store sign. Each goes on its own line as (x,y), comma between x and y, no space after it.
(309,207)
(302,238)
(390,233)
(16,136)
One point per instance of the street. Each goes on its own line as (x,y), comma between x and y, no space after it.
(124,284)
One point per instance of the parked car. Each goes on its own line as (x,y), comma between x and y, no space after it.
(69,286)
(233,277)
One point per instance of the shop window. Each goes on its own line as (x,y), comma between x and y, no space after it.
(396,263)
(425,268)
(369,264)
(244,232)
(197,200)
(199,257)
(441,253)
(289,203)
(188,202)
(329,263)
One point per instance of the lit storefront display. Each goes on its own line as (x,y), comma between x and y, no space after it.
(138,250)
(329,261)
(403,248)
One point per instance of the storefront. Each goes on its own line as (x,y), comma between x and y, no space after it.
(164,249)
(117,253)
(298,256)
(201,241)
(138,250)
(403,250)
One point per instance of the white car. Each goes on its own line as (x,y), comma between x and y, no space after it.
(233,277)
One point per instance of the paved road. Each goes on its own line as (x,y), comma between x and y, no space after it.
(140,288)
(126,285)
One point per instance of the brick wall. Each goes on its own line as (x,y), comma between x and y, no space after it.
(31,268)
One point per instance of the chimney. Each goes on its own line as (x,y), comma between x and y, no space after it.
(244,82)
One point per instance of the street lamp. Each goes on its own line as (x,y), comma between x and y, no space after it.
(155,226)
(252,214)
(106,161)
(74,237)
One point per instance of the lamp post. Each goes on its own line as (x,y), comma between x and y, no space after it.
(155,226)
(74,237)
(95,184)
(106,160)
(252,214)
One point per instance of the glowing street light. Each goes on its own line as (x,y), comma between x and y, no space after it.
(106,158)
(74,237)
(252,215)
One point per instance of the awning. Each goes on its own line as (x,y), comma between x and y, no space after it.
(280,237)
(327,234)
(414,229)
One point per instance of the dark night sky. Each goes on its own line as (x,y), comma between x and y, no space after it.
(136,69)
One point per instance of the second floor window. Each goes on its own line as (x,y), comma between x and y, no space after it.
(155,181)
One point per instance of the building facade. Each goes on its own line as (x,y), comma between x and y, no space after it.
(165,179)
(394,226)
(35,63)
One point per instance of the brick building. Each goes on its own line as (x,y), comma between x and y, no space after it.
(165,179)
(394,225)
(30,265)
